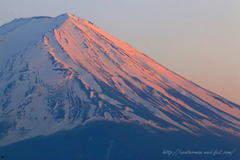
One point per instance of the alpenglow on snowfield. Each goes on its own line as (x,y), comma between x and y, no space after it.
(60,74)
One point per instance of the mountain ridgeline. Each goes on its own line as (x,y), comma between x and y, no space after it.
(67,86)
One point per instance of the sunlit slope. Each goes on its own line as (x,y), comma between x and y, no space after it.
(62,72)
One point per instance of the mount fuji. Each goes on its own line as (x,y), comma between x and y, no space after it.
(66,86)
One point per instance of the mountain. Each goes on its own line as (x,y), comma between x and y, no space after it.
(64,77)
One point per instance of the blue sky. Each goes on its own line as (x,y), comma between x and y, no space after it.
(198,39)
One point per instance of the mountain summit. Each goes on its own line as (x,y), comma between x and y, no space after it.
(63,72)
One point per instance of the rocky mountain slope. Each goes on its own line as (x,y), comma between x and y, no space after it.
(63,72)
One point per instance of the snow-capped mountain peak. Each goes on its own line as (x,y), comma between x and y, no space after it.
(62,72)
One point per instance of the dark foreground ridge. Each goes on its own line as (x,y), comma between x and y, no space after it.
(121,141)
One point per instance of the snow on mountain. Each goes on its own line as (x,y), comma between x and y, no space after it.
(62,72)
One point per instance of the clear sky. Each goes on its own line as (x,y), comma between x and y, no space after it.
(198,39)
